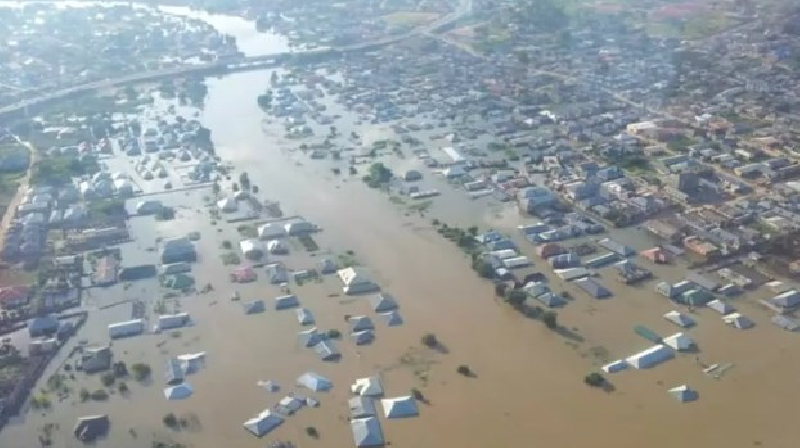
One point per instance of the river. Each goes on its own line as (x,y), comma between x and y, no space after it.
(248,39)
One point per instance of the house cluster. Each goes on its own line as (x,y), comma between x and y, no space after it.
(102,34)
(41,209)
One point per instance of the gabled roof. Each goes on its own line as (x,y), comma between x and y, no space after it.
(263,423)
(287,301)
(304,316)
(353,276)
(683,393)
(254,307)
(383,302)
(363,337)
(400,407)
(311,337)
(314,381)
(679,341)
(392,318)
(367,432)
(369,386)
(360,323)
(679,318)
(720,306)
(327,351)
(179,392)
(361,406)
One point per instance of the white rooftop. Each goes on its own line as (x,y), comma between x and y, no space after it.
(400,407)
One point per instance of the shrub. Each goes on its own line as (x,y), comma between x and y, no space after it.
(334,333)
(122,387)
(141,371)
(170,420)
(550,319)
(312,432)
(108,379)
(516,297)
(464,370)
(99,395)
(417,394)
(594,379)
(84,395)
(430,340)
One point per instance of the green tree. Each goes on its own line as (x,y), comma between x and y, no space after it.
(170,420)
(594,379)
(141,371)
(516,297)
(108,379)
(244,181)
(550,319)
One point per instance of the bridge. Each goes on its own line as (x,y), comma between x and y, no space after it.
(234,64)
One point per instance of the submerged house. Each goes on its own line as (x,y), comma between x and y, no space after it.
(356,281)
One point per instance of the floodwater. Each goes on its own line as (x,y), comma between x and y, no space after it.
(528,388)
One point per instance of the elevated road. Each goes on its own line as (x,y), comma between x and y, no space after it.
(235,64)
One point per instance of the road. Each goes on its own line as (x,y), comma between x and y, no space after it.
(23,187)
(464,8)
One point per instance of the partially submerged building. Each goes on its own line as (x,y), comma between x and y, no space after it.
(361,406)
(314,381)
(367,432)
(383,302)
(651,357)
(356,280)
(400,407)
(286,302)
(679,319)
(127,328)
(263,423)
(369,386)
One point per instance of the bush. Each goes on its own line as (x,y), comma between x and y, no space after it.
(108,379)
(99,395)
(594,379)
(122,387)
(227,245)
(170,420)
(84,395)
(417,394)
(516,297)
(334,333)
(141,371)
(464,370)
(550,320)
(483,268)
(430,340)
(312,432)
(41,401)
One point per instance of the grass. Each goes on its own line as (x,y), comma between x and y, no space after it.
(230,258)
